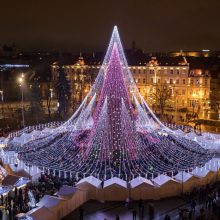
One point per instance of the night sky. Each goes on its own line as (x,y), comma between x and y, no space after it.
(70,25)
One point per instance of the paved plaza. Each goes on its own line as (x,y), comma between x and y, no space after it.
(94,210)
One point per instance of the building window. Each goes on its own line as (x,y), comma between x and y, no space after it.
(152,80)
(144,80)
(197,81)
(177,81)
(139,80)
(134,71)
(177,72)
(171,71)
(158,80)
(183,92)
(191,81)
(171,81)
(184,81)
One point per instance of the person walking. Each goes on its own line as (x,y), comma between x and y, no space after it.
(151,211)
(81,213)
(167,217)
(134,214)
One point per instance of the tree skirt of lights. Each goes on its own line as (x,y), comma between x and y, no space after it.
(114,133)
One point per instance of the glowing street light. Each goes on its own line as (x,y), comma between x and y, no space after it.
(21,81)
(2,100)
(2,95)
(51,93)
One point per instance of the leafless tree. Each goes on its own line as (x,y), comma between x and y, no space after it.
(162,96)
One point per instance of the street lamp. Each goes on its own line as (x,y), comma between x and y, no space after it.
(51,93)
(2,95)
(2,100)
(175,99)
(193,102)
(21,81)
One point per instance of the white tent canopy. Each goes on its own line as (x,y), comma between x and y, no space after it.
(41,212)
(115,181)
(49,201)
(74,197)
(91,185)
(47,130)
(54,204)
(182,176)
(166,186)
(200,172)
(35,133)
(142,188)
(213,165)
(91,180)
(66,191)
(139,181)
(116,187)
(162,179)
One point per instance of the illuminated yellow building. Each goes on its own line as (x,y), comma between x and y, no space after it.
(202,53)
(190,88)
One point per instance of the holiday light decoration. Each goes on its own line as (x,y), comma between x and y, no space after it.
(113,133)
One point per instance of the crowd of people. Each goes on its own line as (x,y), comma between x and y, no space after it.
(15,202)
(203,203)
(18,201)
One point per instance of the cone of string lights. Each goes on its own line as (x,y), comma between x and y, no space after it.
(113,133)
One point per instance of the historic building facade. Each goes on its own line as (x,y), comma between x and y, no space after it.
(190,88)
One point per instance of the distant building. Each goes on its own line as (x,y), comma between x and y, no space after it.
(191,88)
(202,53)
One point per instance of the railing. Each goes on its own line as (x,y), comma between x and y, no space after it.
(29,129)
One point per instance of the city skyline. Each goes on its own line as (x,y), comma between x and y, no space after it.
(79,26)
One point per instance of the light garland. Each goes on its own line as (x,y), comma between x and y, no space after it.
(114,132)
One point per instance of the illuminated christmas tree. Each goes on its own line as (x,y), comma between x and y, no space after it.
(114,132)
